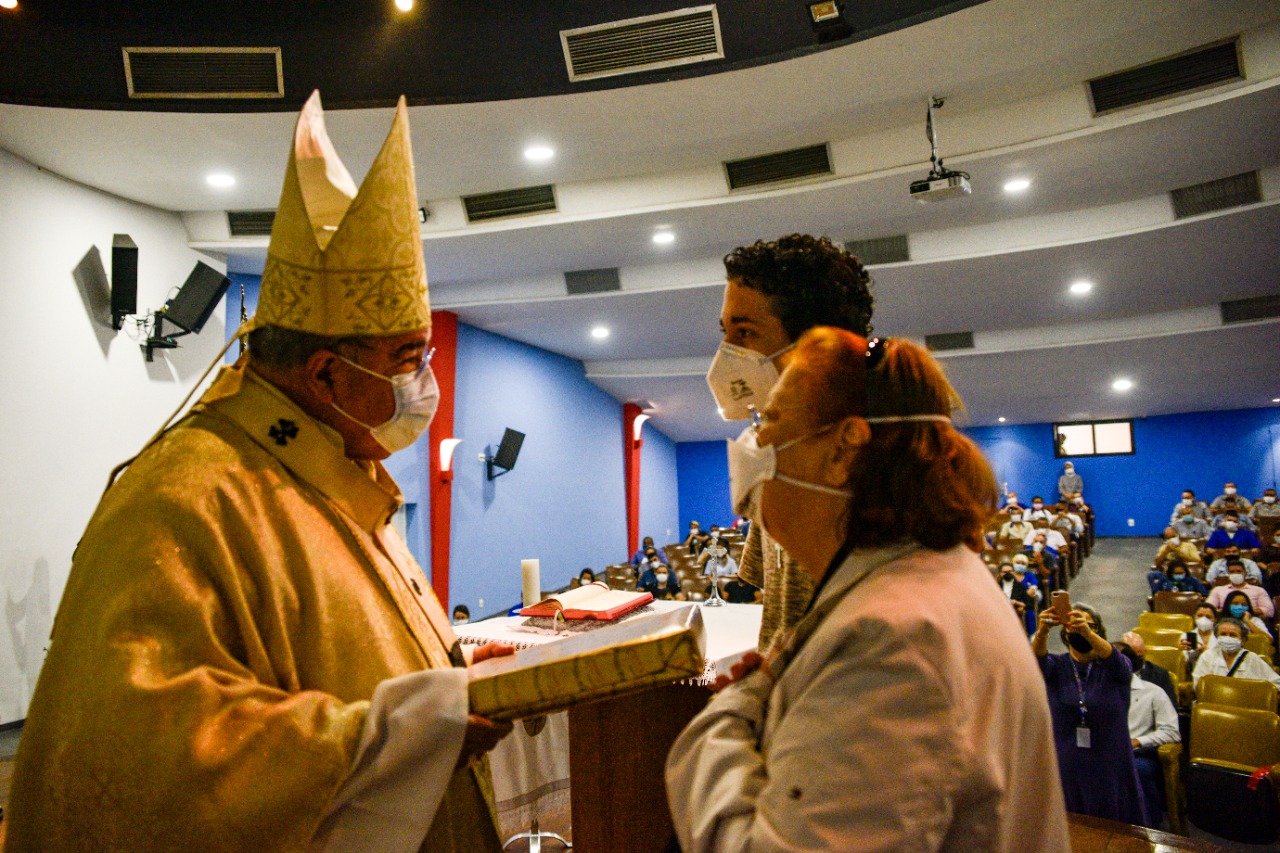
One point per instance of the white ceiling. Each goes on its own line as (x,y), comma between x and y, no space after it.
(630,160)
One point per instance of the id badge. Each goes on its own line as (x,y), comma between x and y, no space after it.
(1083,737)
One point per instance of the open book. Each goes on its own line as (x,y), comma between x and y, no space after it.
(589,601)
(652,648)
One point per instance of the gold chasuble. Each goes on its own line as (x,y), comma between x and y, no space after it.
(236,599)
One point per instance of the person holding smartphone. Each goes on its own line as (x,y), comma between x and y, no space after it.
(1088,691)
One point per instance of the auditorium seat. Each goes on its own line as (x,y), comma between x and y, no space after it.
(1260,644)
(1176,621)
(1227,746)
(1176,662)
(1159,636)
(1238,692)
(1176,602)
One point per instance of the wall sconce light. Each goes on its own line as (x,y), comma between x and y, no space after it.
(636,426)
(447,446)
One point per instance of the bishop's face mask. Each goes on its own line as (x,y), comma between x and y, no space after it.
(417,395)
(740,378)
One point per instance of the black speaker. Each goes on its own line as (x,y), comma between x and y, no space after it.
(194,304)
(507,453)
(124,279)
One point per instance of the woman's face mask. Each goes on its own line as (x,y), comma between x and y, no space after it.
(1238,610)
(751,466)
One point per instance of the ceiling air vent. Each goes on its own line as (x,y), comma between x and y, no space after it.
(1163,78)
(1256,308)
(779,166)
(250,223)
(1221,194)
(643,44)
(506,203)
(883,250)
(949,341)
(579,282)
(204,72)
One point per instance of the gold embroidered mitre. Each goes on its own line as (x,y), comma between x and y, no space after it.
(343,262)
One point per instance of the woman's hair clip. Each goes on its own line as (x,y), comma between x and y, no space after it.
(875,352)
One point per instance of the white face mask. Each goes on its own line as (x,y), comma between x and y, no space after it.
(1230,645)
(1236,579)
(417,396)
(1231,526)
(1230,490)
(461,620)
(751,466)
(1186,501)
(1204,623)
(1268,499)
(1016,517)
(1174,540)
(662,577)
(1037,547)
(740,378)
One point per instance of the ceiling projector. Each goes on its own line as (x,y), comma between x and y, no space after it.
(952,185)
(942,183)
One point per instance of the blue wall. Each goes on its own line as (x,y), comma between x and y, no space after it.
(564,502)
(704,484)
(1196,450)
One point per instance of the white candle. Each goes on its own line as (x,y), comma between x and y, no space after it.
(531,582)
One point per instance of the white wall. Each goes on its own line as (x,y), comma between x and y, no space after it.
(78,397)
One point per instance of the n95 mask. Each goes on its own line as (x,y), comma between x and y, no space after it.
(740,378)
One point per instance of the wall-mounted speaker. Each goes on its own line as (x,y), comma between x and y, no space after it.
(124,279)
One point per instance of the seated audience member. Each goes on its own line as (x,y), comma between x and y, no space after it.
(1269,554)
(1066,520)
(1039,575)
(1070,483)
(1078,504)
(1231,533)
(660,582)
(1265,507)
(1189,527)
(1175,578)
(738,591)
(586,576)
(1229,657)
(645,544)
(461,614)
(1258,597)
(1238,606)
(1229,500)
(1041,559)
(1201,637)
(1218,568)
(1175,547)
(1011,501)
(1052,538)
(699,542)
(1037,510)
(716,561)
(1015,528)
(742,525)
(1153,721)
(1016,589)
(1190,506)
(695,530)
(1152,673)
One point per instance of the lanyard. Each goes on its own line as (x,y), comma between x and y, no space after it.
(1084,708)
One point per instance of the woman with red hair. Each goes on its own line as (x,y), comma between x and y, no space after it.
(905,710)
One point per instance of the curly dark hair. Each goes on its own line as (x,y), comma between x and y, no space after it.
(810,280)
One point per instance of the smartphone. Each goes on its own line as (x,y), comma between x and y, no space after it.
(1193,639)
(1061,603)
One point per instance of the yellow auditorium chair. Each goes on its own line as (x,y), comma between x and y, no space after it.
(1168,637)
(1176,621)
(1260,644)
(1238,692)
(1176,662)
(1225,794)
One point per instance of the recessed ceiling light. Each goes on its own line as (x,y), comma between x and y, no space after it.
(600,333)
(663,238)
(1016,185)
(9,4)
(1122,384)
(1001,420)
(1275,399)
(539,153)
(221,180)
(1081,287)
(404,5)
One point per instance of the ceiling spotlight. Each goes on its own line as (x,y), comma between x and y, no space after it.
(1275,399)
(1001,420)
(1017,185)
(600,333)
(663,238)
(404,5)
(221,180)
(1122,385)
(1081,287)
(539,153)
(8,4)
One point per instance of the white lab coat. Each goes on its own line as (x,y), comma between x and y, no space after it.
(913,718)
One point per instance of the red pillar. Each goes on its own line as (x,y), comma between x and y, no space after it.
(444,338)
(631,473)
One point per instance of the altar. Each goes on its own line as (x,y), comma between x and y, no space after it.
(603,760)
